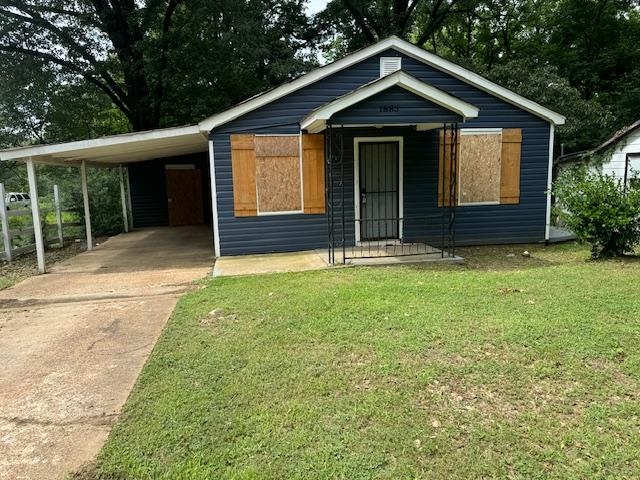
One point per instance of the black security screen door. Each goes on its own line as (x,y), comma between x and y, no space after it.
(379,191)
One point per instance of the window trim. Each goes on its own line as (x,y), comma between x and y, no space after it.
(476,131)
(284,212)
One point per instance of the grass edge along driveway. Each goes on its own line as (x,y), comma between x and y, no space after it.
(507,367)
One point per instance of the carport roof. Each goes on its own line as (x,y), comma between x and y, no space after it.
(115,149)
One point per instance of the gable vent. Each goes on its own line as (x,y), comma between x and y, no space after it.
(389,65)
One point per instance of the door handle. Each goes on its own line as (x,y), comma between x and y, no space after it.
(363,196)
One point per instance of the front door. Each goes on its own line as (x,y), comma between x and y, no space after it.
(184,196)
(379,190)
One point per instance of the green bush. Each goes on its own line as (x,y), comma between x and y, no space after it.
(599,210)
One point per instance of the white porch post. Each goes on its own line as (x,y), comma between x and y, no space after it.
(85,198)
(4,224)
(35,213)
(123,200)
(129,208)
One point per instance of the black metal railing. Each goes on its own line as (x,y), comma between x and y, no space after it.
(372,224)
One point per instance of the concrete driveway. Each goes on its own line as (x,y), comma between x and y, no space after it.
(73,342)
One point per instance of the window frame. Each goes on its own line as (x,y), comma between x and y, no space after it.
(300,178)
(475,131)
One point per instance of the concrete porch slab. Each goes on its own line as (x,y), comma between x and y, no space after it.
(268,263)
(310,260)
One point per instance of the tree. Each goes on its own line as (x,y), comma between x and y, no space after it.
(355,23)
(125,48)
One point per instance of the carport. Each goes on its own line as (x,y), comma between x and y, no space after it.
(122,152)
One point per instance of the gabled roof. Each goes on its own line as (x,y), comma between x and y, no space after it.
(316,121)
(115,149)
(615,138)
(400,46)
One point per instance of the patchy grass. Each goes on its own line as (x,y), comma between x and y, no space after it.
(506,367)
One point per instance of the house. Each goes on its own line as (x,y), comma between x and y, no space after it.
(390,150)
(618,156)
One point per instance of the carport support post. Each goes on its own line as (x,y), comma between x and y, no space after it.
(85,198)
(35,213)
(56,202)
(4,220)
(123,199)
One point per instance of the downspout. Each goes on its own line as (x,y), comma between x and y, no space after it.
(214,201)
(547,229)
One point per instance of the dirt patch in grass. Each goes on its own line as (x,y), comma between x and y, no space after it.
(27,265)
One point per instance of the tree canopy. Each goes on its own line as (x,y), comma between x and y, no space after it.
(81,68)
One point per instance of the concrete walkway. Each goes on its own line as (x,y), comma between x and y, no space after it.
(73,342)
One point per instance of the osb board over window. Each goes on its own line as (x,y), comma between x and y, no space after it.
(278,183)
(278,174)
(277,146)
(480,165)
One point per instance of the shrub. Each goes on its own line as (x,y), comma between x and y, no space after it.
(599,210)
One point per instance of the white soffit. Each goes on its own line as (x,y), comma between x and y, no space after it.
(115,149)
(316,121)
(401,46)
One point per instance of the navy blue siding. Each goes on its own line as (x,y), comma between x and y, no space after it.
(524,222)
(148,186)
(397,106)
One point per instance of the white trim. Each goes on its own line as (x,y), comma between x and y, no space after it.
(356,180)
(300,152)
(129,206)
(286,212)
(476,131)
(105,149)
(85,200)
(547,227)
(481,131)
(123,200)
(316,121)
(478,204)
(214,201)
(35,214)
(401,46)
(4,225)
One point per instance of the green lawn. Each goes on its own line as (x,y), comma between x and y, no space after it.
(506,367)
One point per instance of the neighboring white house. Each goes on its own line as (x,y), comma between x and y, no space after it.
(619,155)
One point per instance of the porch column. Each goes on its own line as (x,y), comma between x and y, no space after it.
(85,198)
(128,192)
(35,213)
(123,199)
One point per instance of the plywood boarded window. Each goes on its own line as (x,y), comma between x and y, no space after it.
(488,164)
(271,177)
(278,177)
(480,167)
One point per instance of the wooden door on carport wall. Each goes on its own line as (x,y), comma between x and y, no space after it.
(184,196)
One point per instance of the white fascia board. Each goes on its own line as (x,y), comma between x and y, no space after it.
(480,82)
(401,46)
(316,121)
(115,142)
